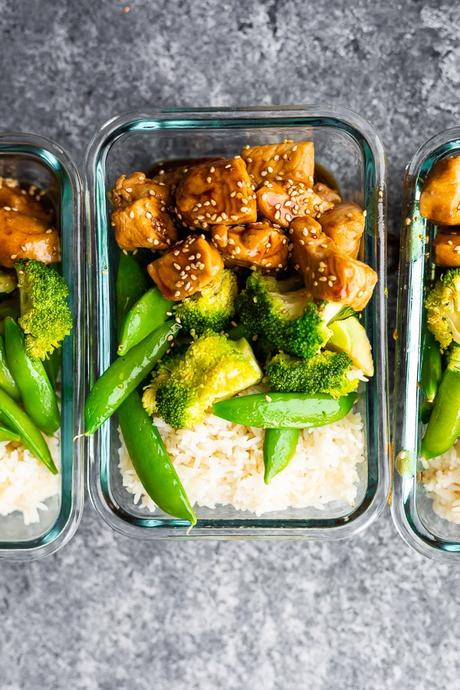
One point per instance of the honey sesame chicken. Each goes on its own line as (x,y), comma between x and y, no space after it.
(327,193)
(440,197)
(170,172)
(281,204)
(328,273)
(186,268)
(257,244)
(13,198)
(216,193)
(446,249)
(144,223)
(345,225)
(137,186)
(25,237)
(286,163)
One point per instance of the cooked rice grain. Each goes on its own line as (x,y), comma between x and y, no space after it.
(441,478)
(222,463)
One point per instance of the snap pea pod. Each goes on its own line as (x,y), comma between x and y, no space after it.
(131,283)
(151,460)
(149,312)
(279,448)
(444,425)
(431,374)
(8,435)
(7,381)
(52,365)
(284,410)
(125,374)
(23,425)
(37,393)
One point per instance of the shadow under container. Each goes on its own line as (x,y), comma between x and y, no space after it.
(412,509)
(350,150)
(34,160)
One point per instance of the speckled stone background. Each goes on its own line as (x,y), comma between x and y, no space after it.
(110,614)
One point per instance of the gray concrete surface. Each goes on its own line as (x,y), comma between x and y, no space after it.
(106,613)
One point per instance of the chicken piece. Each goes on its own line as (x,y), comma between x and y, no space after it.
(440,198)
(327,194)
(144,223)
(16,199)
(255,244)
(446,249)
(287,162)
(25,237)
(281,204)
(138,186)
(219,192)
(186,268)
(328,273)
(345,225)
(170,172)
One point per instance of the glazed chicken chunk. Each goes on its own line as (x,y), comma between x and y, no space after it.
(328,273)
(440,198)
(281,204)
(446,248)
(144,223)
(345,225)
(14,198)
(186,268)
(256,244)
(215,193)
(25,237)
(327,193)
(287,162)
(137,186)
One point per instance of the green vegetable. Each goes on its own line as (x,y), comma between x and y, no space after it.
(327,372)
(45,314)
(286,318)
(8,435)
(212,368)
(212,308)
(443,309)
(151,461)
(53,364)
(277,410)
(30,435)
(8,281)
(279,449)
(444,426)
(7,381)
(149,312)
(37,393)
(131,284)
(431,373)
(350,336)
(125,374)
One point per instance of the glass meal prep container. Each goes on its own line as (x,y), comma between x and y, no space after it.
(35,160)
(349,148)
(412,509)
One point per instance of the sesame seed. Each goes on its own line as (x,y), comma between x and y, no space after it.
(244,209)
(148,215)
(212,169)
(131,214)
(209,180)
(177,293)
(177,266)
(239,184)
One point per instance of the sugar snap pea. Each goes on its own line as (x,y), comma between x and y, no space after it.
(143,317)
(279,448)
(131,283)
(8,435)
(7,381)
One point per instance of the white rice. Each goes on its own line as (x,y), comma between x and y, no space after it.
(25,483)
(221,463)
(441,479)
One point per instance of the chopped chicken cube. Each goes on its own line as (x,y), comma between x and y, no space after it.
(327,193)
(288,162)
(328,273)
(170,172)
(13,198)
(137,186)
(186,268)
(281,204)
(144,223)
(25,237)
(255,244)
(345,225)
(440,198)
(215,193)
(446,248)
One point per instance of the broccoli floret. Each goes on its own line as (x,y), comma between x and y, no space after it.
(328,372)
(213,368)
(443,308)
(213,307)
(286,318)
(45,314)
